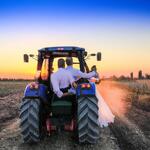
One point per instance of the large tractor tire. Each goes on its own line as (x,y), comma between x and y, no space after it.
(30,120)
(88,127)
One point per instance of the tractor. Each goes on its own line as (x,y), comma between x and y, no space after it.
(42,113)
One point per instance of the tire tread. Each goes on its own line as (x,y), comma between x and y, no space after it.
(88,127)
(29,116)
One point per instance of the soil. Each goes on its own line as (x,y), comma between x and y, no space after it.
(130,130)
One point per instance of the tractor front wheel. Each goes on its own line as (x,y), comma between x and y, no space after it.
(30,120)
(88,127)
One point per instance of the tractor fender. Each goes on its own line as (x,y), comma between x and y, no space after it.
(86,91)
(40,92)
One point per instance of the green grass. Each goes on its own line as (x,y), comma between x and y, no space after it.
(11,87)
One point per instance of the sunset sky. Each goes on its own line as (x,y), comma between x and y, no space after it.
(120,29)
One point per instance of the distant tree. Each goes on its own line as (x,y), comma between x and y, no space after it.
(131,76)
(113,78)
(122,77)
(147,76)
(140,75)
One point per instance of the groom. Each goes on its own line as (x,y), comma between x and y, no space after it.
(61,80)
(77,74)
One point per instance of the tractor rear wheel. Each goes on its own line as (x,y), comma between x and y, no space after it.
(88,127)
(30,120)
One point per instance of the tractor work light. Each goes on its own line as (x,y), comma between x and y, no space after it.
(88,85)
(34,85)
(85,86)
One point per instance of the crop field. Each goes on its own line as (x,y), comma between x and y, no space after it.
(139,86)
(11,87)
(140,93)
(128,100)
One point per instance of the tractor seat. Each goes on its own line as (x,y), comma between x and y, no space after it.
(61,106)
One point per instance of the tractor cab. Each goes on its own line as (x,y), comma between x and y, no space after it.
(47,57)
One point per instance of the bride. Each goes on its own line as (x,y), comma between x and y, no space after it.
(105,115)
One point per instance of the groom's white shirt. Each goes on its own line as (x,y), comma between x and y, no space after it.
(60,80)
(79,74)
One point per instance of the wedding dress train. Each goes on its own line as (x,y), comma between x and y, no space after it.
(105,115)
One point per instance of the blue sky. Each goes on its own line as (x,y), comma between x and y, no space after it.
(130,6)
(119,28)
(69,10)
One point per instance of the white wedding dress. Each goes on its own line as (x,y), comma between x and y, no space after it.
(105,115)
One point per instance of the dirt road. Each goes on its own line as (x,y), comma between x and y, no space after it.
(131,126)
(124,134)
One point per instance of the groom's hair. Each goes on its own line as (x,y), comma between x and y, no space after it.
(69,61)
(61,63)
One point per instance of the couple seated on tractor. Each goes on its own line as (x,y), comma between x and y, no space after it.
(64,84)
(64,80)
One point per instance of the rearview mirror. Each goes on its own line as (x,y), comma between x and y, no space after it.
(99,56)
(26,58)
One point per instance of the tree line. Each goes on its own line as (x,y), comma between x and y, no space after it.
(131,77)
(11,79)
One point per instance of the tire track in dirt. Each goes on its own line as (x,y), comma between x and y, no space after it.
(12,141)
(144,122)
